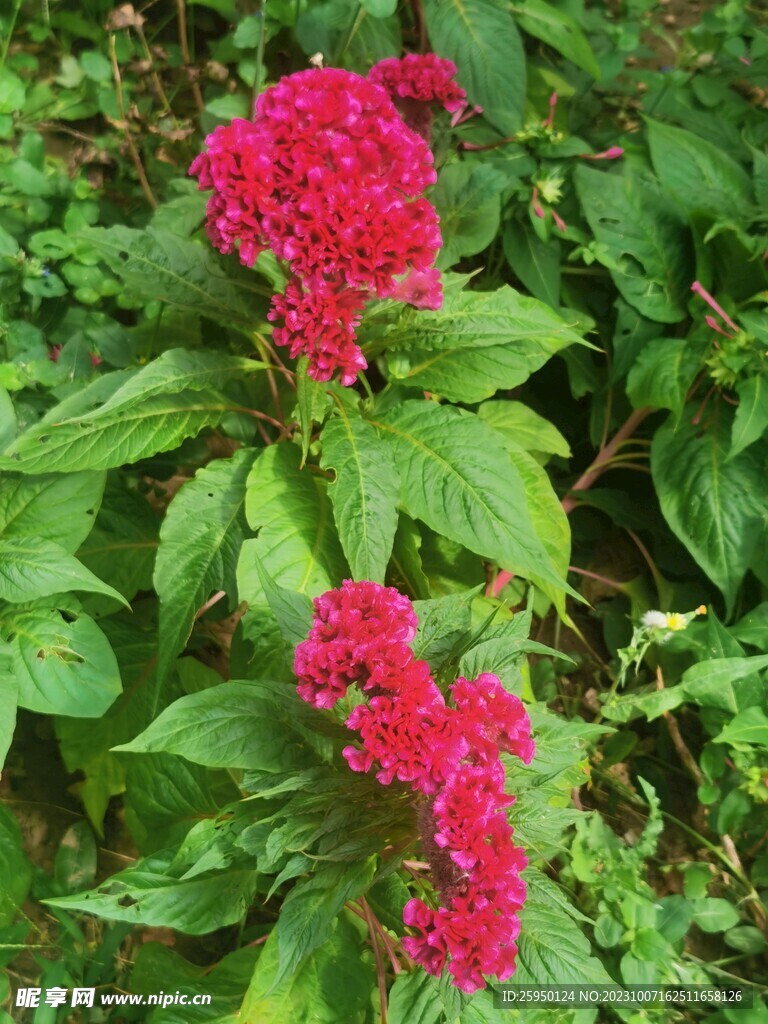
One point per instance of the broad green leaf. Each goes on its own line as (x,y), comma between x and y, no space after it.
(751,419)
(157,264)
(31,569)
(468,199)
(535,262)
(309,909)
(419,998)
(61,659)
(379,8)
(557,29)
(292,610)
(86,744)
(234,725)
(521,427)
(121,547)
(698,174)
(334,984)
(405,569)
(443,624)
(364,494)
(457,478)
(552,949)
(124,435)
(297,541)
(714,915)
(663,374)
(714,505)
(75,863)
(478,343)
(482,40)
(643,242)
(226,983)
(9,696)
(200,542)
(58,508)
(549,519)
(748,727)
(146,895)
(15,869)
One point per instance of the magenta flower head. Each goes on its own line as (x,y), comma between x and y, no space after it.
(328,176)
(416,83)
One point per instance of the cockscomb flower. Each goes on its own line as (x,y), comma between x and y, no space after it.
(415,83)
(450,755)
(355,628)
(328,176)
(321,325)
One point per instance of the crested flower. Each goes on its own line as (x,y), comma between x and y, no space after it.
(328,177)
(416,83)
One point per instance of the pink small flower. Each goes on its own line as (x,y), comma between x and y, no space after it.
(607,154)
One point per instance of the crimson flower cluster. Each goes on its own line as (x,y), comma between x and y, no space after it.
(361,636)
(329,177)
(415,83)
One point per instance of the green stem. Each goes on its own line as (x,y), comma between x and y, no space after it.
(11,28)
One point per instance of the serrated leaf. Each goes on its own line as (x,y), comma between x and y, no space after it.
(552,950)
(714,505)
(482,40)
(477,343)
(456,477)
(364,495)
(645,243)
(157,264)
(234,725)
(200,542)
(58,508)
(62,661)
(32,569)
(557,29)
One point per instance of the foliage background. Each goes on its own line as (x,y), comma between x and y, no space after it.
(149,459)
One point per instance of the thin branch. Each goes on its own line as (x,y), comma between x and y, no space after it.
(185,54)
(141,174)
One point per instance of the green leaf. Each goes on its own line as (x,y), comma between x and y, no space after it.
(31,569)
(557,29)
(714,505)
(156,264)
(698,174)
(297,541)
(751,418)
(714,915)
(418,998)
(9,696)
(309,909)
(200,542)
(121,547)
(468,200)
(57,508)
(75,863)
(15,869)
(552,949)
(749,727)
(478,343)
(521,427)
(292,610)
(364,495)
(535,262)
(234,725)
(456,477)
(312,403)
(662,375)
(379,8)
(123,435)
(61,659)
(12,91)
(644,242)
(146,895)
(483,42)
(334,984)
